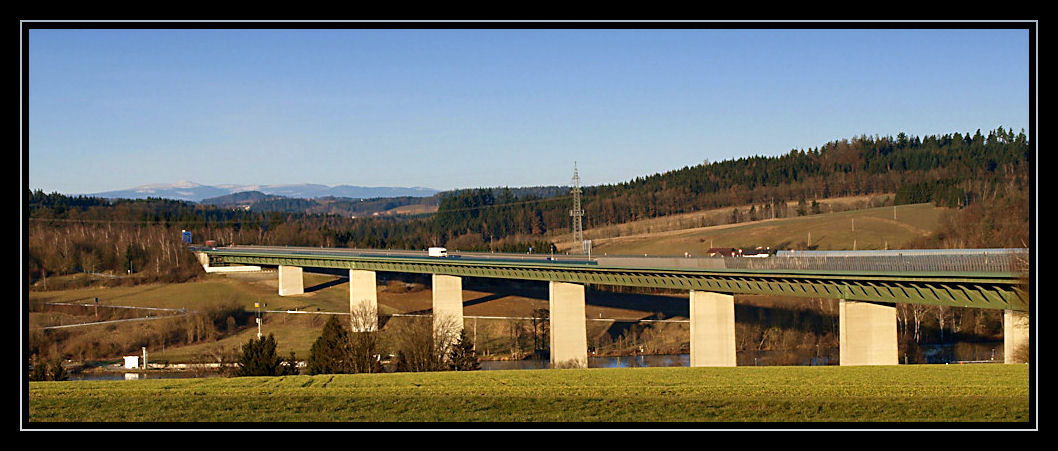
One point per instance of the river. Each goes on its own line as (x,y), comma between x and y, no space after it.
(934,354)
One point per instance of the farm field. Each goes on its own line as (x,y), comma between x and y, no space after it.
(324,293)
(907,393)
(872,228)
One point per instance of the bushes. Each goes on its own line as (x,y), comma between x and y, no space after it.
(417,343)
(259,358)
(1021,354)
(462,356)
(131,254)
(338,351)
(331,352)
(47,369)
(114,340)
(420,346)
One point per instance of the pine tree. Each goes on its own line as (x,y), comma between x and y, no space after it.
(330,353)
(259,358)
(462,357)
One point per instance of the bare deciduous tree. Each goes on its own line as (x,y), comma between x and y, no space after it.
(423,343)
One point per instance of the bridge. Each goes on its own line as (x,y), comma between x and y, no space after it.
(991,279)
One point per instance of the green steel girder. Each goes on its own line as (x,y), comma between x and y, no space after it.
(978,290)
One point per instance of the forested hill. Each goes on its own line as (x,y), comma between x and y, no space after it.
(863,165)
(951,170)
(986,174)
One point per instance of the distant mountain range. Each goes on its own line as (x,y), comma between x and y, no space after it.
(194,192)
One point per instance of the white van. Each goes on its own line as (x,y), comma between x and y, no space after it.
(438,252)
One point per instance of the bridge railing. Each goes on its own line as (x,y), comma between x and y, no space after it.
(1001,263)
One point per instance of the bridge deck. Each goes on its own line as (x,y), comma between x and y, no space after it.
(993,289)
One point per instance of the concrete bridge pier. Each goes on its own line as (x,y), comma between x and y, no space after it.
(363,301)
(1015,335)
(448,304)
(569,333)
(203,259)
(867,333)
(291,281)
(712,329)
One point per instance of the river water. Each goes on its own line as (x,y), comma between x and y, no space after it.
(935,354)
(747,358)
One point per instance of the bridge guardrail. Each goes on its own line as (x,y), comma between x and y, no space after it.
(996,263)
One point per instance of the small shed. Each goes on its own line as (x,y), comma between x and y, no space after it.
(132,361)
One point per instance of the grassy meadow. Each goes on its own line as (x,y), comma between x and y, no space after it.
(871,228)
(907,393)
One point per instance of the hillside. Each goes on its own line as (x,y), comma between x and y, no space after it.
(195,192)
(295,332)
(952,170)
(240,198)
(872,228)
(328,205)
(984,176)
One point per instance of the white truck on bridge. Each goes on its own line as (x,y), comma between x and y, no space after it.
(438,252)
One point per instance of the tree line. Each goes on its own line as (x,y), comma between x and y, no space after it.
(70,234)
(952,170)
(418,346)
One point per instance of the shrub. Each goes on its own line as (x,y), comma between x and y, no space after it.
(47,370)
(1021,354)
(330,353)
(259,358)
(422,344)
(462,357)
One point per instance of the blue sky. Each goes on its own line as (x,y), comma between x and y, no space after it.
(112,109)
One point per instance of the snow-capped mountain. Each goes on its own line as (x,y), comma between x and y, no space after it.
(195,192)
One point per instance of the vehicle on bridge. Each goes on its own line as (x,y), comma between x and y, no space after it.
(723,252)
(438,252)
(759,252)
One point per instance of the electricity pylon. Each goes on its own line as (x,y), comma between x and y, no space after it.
(576,213)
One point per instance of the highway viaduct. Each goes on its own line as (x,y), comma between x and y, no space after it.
(867,309)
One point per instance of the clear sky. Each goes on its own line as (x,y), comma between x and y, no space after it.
(444,109)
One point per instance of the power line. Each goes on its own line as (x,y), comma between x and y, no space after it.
(149,318)
(577,213)
(427,315)
(149,222)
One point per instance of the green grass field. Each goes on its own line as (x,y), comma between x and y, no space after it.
(915,393)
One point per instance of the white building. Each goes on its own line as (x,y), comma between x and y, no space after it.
(132,361)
